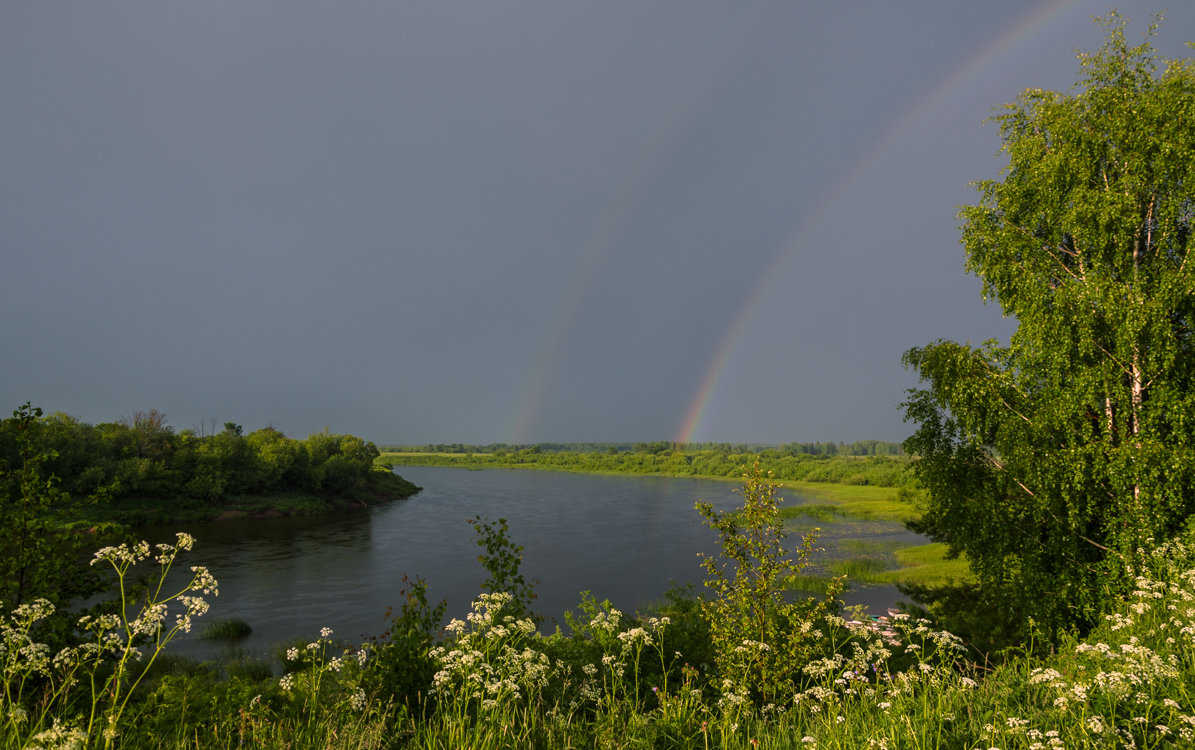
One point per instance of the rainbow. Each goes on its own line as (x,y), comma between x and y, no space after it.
(616,216)
(1027,26)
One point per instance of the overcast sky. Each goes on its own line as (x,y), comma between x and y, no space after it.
(492,220)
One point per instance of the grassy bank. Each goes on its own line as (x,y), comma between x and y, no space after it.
(865,502)
(869,562)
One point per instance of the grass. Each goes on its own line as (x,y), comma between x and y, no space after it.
(826,512)
(927,565)
(808,583)
(894,683)
(858,568)
(384,456)
(862,559)
(228,629)
(924,565)
(857,501)
(865,561)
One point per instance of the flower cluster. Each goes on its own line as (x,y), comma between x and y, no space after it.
(110,660)
(488,660)
(1124,686)
(321,673)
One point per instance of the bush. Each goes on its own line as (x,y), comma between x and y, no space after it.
(760,639)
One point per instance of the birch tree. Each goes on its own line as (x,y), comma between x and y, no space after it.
(1049,460)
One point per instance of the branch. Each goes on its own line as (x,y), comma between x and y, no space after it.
(1127,371)
(1153,202)
(998,374)
(1046,248)
(999,466)
(1014,411)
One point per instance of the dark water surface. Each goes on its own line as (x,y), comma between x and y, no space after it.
(625,538)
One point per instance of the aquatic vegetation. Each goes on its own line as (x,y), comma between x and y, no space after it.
(228,629)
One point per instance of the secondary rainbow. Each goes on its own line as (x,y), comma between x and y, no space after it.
(620,212)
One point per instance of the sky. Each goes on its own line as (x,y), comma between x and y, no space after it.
(506,221)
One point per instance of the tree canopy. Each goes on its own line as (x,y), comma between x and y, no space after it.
(1049,460)
(143,457)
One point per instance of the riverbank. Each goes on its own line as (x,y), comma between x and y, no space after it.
(378,487)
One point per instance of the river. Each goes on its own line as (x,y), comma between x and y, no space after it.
(625,538)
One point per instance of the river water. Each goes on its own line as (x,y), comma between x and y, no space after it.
(625,538)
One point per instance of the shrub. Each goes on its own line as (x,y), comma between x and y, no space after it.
(760,638)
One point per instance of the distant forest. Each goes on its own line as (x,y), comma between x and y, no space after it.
(857,448)
(788,462)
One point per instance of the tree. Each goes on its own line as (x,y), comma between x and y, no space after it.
(274,458)
(1049,460)
(152,435)
(38,550)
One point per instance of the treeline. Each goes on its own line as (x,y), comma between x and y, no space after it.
(876,470)
(857,448)
(144,456)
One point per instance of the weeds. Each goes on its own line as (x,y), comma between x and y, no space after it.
(79,695)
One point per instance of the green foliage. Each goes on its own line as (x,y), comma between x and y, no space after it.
(1130,683)
(39,552)
(280,461)
(928,564)
(761,639)
(616,681)
(402,663)
(487,666)
(139,470)
(1050,461)
(857,448)
(26,538)
(502,559)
